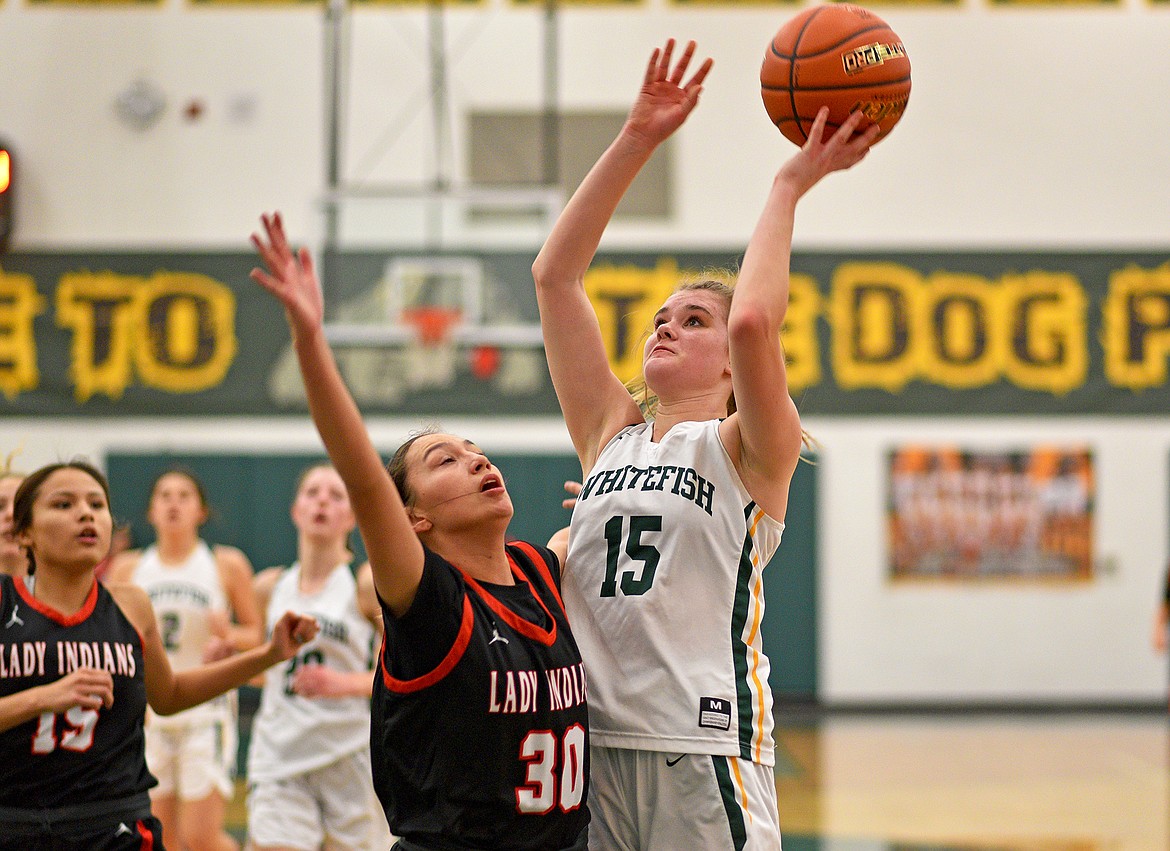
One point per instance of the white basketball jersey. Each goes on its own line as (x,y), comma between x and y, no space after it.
(664,589)
(184,596)
(293,734)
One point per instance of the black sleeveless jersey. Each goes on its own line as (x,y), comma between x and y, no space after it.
(80,755)
(479,735)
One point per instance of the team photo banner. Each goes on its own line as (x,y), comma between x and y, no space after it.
(867,333)
(976,515)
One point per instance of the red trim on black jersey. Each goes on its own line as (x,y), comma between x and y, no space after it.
(147,836)
(52,614)
(547,637)
(443,668)
(542,566)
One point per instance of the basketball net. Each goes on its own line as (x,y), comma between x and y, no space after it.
(430,354)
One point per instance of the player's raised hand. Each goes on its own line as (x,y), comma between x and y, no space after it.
(821,156)
(287,275)
(665,101)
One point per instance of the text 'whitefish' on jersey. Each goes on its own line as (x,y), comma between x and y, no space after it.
(680,481)
(27,658)
(177,593)
(518,691)
(331,627)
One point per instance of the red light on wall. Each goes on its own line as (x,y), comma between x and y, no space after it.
(7,190)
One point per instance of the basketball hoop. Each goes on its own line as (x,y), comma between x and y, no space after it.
(432,324)
(430,354)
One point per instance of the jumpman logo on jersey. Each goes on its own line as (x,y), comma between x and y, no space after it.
(14,620)
(123,829)
(496,635)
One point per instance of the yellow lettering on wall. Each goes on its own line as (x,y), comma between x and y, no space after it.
(1047,347)
(963,318)
(99,309)
(20,303)
(1136,327)
(188,340)
(890,325)
(625,299)
(876,316)
(175,331)
(801,347)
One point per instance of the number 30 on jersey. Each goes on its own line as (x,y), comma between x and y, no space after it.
(544,789)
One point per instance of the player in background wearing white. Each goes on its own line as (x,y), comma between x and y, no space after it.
(309,783)
(679,514)
(12,558)
(196,591)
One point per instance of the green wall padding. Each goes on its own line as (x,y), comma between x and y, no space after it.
(251,494)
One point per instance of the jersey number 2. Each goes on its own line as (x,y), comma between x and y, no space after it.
(77,735)
(169,626)
(540,793)
(632,584)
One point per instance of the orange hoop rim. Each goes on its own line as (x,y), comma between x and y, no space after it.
(432,323)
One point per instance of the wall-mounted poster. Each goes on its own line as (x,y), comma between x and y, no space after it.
(962,514)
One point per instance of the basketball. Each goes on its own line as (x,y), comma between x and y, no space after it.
(840,56)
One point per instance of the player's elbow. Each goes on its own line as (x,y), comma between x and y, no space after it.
(168,698)
(546,277)
(750,323)
(540,272)
(165,705)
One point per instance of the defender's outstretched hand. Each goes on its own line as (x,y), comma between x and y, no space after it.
(291,633)
(664,101)
(574,490)
(290,277)
(821,156)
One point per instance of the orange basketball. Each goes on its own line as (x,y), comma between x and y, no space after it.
(840,56)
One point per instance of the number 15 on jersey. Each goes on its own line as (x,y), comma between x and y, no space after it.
(629,553)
